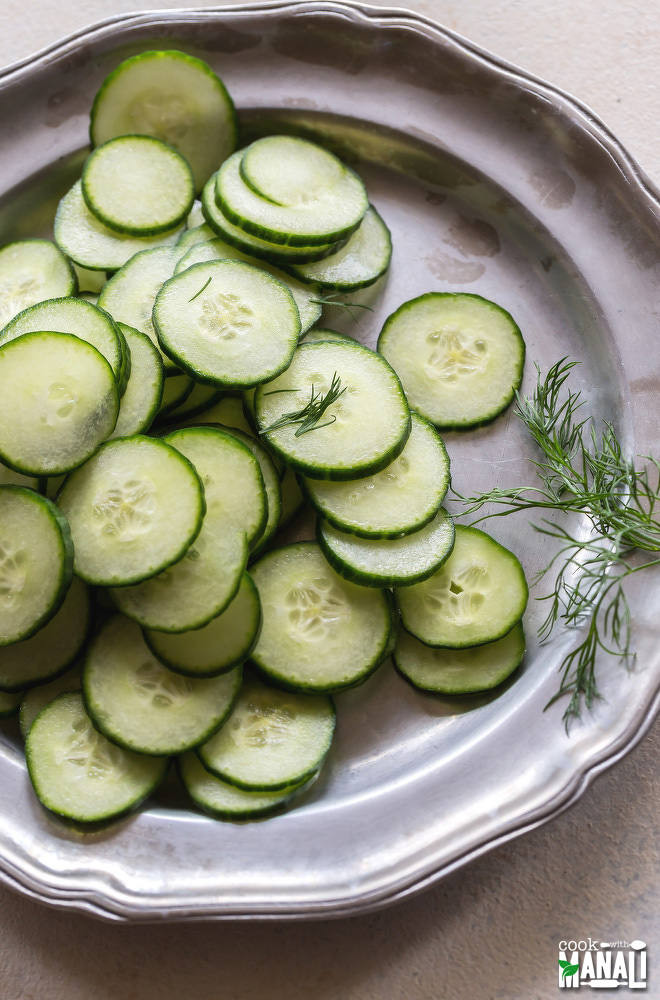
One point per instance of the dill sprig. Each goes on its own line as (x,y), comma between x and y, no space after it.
(333,300)
(583,469)
(309,415)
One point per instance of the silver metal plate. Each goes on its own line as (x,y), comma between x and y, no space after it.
(492,182)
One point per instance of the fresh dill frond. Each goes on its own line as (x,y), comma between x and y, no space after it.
(309,415)
(583,469)
(202,289)
(332,300)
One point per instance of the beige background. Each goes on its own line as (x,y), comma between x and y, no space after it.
(489,932)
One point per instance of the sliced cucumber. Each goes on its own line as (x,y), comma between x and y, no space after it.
(53,648)
(271,486)
(460,357)
(202,398)
(231,474)
(227,410)
(176,390)
(313,336)
(359,434)
(129,296)
(195,215)
(292,497)
(388,562)
(477,596)
(459,671)
(91,244)
(137,184)
(10,478)
(306,300)
(172,96)
(276,253)
(192,237)
(397,501)
(289,171)
(90,282)
(317,218)
(319,632)
(124,525)
(38,697)
(9,703)
(227,323)
(141,400)
(272,739)
(219,798)
(59,402)
(30,271)
(77,773)
(138,703)
(224,643)
(75,316)
(359,263)
(201,585)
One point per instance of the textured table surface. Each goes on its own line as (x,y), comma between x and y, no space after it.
(490,931)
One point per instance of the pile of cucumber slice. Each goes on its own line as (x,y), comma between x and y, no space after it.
(170,400)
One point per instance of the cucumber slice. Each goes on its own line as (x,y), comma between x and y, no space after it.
(138,703)
(276,253)
(141,400)
(359,263)
(91,244)
(309,308)
(477,596)
(90,282)
(10,478)
(195,216)
(138,185)
(176,390)
(289,171)
(202,398)
(124,525)
(460,357)
(386,562)
(224,643)
(125,371)
(201,585)
(314,336)
(30,271)
(228,411)
(359,434)
(77,773)
(219,798)
(227,323)
(271,486)
(397,501)
(230,470)
(192,237)
(459,671)
(9,703)
(271,740)
(172,96)
(129,296)
(59,402)
(319,632)
(75,316)
(292,497)
(38,697)
(53,648)
(313,220)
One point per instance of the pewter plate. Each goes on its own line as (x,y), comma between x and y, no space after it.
(492,182)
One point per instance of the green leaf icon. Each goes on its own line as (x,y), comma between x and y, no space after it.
(564,964)
(569,970)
